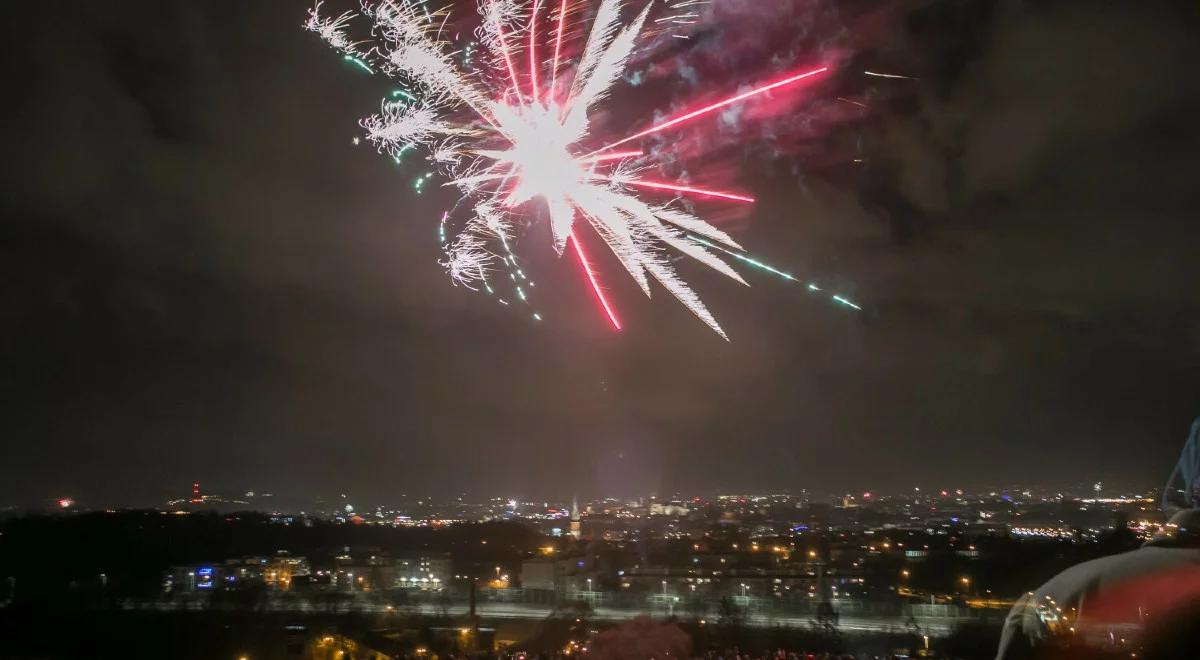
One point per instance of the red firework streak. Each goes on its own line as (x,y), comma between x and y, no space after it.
(598,156)
(616,155)
(591,275)
(562,16)
(790,80)
(533,63)
(512,71)
(687,189)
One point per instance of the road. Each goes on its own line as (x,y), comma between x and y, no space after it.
(932,626)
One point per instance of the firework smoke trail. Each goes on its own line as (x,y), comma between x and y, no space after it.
(888,75)
(744,258)
(531,147)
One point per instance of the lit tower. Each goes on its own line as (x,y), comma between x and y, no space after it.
(576,526)
(195,491)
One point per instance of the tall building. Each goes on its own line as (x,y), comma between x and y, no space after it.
(576,525)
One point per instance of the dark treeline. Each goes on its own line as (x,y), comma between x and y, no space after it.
(54,559)
(112,634)
(279,636)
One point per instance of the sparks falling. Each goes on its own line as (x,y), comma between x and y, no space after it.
(509,128)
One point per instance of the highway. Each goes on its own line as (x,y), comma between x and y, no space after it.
(934,627)
(925,625)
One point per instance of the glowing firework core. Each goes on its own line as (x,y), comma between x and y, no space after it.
(539,155)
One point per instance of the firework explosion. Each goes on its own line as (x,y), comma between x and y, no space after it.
(506,120)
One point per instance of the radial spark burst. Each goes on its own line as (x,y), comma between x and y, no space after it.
(509,127)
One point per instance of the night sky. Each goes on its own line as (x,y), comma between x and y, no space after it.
(203,279)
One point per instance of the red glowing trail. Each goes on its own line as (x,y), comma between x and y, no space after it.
(616,155)
(562,15)
(721,104)
(587,268)
(512,72)
(533,67)
(686,189)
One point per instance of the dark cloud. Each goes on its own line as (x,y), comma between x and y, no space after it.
(205,280)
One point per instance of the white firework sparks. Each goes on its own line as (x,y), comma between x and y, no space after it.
(400,126)
(332,30)
(527,146)
(468,260)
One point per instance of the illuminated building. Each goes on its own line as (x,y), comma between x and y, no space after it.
(186,579)
(280,571)
(423,572)
(576,525)
(673,508)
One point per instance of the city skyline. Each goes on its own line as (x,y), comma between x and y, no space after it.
(314,501)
